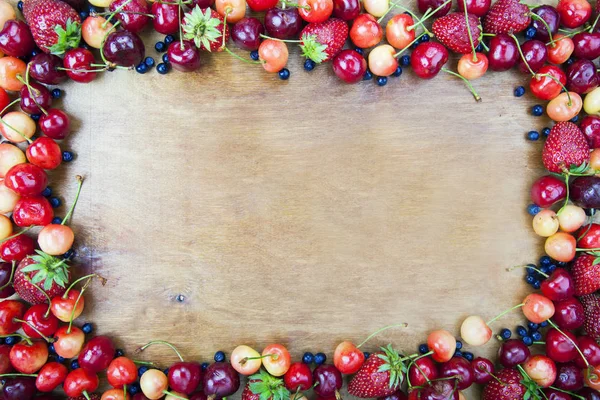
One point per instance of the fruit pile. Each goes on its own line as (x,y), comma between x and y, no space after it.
(44,349)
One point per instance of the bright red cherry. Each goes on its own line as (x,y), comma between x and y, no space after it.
(33,210)
(79,65)
(569,314)
(561,346)
(348,358)
(590,349)
(535,53)
(365,31)
(574,13)
(548,82)
(36,321)
(166,17)
(55,124)
(425,5)
(315,10)
(133,15)
(442,344)
(562,48)
(16,39)
(5,365)
(45,153)
(44,68)
(349,66)
(548,190)
(26,179)
(476,7)
(261,5)
(422,370)
(184,56)
(79,381)
(29,356)
(122,371)
(559,285)
(347,10)
(50,377)
(97,354)
(17,248)
(298,377)
(503,54)
(428,59)
(10,311)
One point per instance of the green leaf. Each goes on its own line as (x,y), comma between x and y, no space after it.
(32,268)
(66,39)
(313,49)
(202,28)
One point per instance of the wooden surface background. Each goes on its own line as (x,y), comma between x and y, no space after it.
(302,212)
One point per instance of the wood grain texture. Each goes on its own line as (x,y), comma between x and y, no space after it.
(303,212)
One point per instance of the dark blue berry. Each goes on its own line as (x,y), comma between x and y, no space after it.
(219,356)
(169,39)
(284,74)
(529,279)
(119,353)
(544,269)
(162,68)
(533,209)
(254,55)
(533,135)
(505,334)
(320,358)
(551,268)
(544,324)
(546,131)
(141,68)
(166,371)
(60,359)
(51,348)
(459,345)
(424,38)
(381,80)
(10,340)
(133,389)
(367,76)
(405,60)
(149,61)
(204,366)
(536,336)
(160,47)
(69,254)
(92,9)
(545,260)
(458,353)
(83,15)
(366,354)
(165,58)
(74,364)
(87,328)
(537,110)
(527,340)
(359,50)
(575,119)
(570,61)
(47,192)
(309,64)
(55,202)
(397,72)
(142,370)
(56,220)
(561,264)
(308,358)
(67,156)
(530,32)
(519,91)
(57,93)
(521,330)
(468,355)
(536,285)
(423,348)
(20,5)
(35,117)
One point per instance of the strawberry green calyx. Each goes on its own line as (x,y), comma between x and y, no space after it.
(532,389)
(68,38)
(312,49)
(49,269)
(201,27)
(268,387)
(394,364)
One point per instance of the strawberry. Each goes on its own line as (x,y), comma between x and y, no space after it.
(321,41)
(92,396)
(506,386)
(48,273)
(591,307)
(263,386)
(205,28)
(381,375)
(586,274)
(506,16)
(451,31)
(566,146)
(55,25)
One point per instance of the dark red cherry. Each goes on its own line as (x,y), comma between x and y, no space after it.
(34,97)
(590,349)
(97,354)
(346,9)
(422,370)
(503,54)
(35,317)
(124,48)
(535,53)
(582,76)
(587,45)
(589,394)
(461,369)
(327,380)
(246,33)
(483,370)
(44,68)
(553,394)
(399,395)
(17,248)
(16,39)
(476,7)
(220,380)
(26,179)
(569,314)
(203,3)
(19,388)
(551,18)
(425,5)
(134,14)
(55,124)
(512,353)
(184,56)
(559,285)
(590,126)
(560,347)
(166,17)
(283,23)
(184,377)
(349,66)
(34,210)
(569,377)
(5,276)
(427,59)
(439,390)
(79,65)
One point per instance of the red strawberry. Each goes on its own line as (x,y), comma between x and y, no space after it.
(48,273)
(321,41)
(381,375)
(566,146)
(93,396)
(205,28)
(586,274)
(591,306)
(55,25)
(263,386)
(507,386)
(452,32)
(506,16)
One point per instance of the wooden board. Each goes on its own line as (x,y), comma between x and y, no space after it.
(303,212)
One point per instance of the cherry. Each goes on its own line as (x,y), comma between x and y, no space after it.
(365,31)
(538,308)
(121,371)
(569,314)
(562,48)
(274,53)
(78,63)
(50,377)
(535,53)
(541,369)
(475,331)
(553,394)
(283,23)
(5,365)
(11,68)
(97,354)
(184,377)
(582,76)
(154,383)
(19,388)
(26,180)
(166,17)
(68,343)
(483,370)
(551,18)
(35,99)
(36,322)
(220,380)
(94,29)
(512,353)
(17,248)
(586,45)
(382,61)
(315,10)
(476,7)
(124,48)
(574,13)
(560,346)
(45,153)
(62,306)
(134,14)
(548,190)
(590,126)
(80,381)
(589,394)
(261,5)
(590,349)
(559,285)
(276,359)
(348,358)
(328,380)
(346,10)
(44,68)
(548,82)
(184,56)
(503,54)
(592,377)
(7,289)
(564,107)
(427,59)
(55,124)
(245,360)
(28,356)
(246,33)
(398,31)
(298,377)
(423,370)
(425,5)
(570,377)
(459,368)
(399,395)
(349,66)
(439,390)
(16,39)
(471,67)
(10,312)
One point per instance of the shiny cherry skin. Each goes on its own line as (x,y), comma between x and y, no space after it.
(427,370)
(548,190)
(80,380)
(184,57)
(459,368)
(298,377)
(26,179)
(5,275)
(79,62)
(124,48)
(328,380)
(559,347)
(553,394)
(220,380)
(16,39)
(184,377)
(365,31)
(574,13)
(166,17)
(569,314)
(535,53)
(62,306)
(50,377)
(19,388)
(439,390)
(97,354)
(29,358)
(45,153)
(349,66)
(582,76)
(35,317)
(283,23)
(512,353)
(68,344)
(503,54)
(559,285)
(246,33)
(546,87)
(34,98)
(590,349)
(10,311)
(5,365)
(541,369)
(589,394)
(590,126)
(442,345)
(569,377)
(55,124)
(560,51)
(476,7)
(17,248)
(552,19)
(427,59)
(315,10)
(483,370)
(122,371)
(261,5)
(586,45)
(133,16)
(348,358)
(399,395)
(346,10)
(425,5)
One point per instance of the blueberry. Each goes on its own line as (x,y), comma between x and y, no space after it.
(536,285)
(142,370)
(69,254)
(405,60)
(166,371)
(169,39)
(521,330)
(561,264)
(149,61)
(35,117)
(56,220)
(20,6)
(545,269)
(551,268)
(527,340)
(162,68)
(381,80)
(51,348)
(309,64)
(47,192)
(366,354)
(133,389)
(397,72)
(67,156)
(359,50)
(160,47)
(529,279)
(468,355)
(545,260)
(479,48)
(165,58)
(537,110)
(536,336)
(423,348)
(119,353)
(308,358)
(74,364)
(142,68)
(204,366)
(60,359)
(367,76)
(570,61)
(92,9)
(505,334)
(254,55)
(10,340)
(87,328)
(425,38)
(544,324)
(57,93)
(83,15)
(575,119)
(284,74)
(546,131)
(530,32)
(55,202)
(458,353)
(533,209)
(531,269)
(459,345)
(320,358)
(533,135)
(219,356)
(519,91)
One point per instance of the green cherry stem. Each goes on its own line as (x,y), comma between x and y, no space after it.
(521,53)
(35,329)
(555,79)
(594,24)
(174,395)
(567,392)
(72,317)
(22,231)
(153,342)
(246,359)
(377,332)
(469,31)
(138,362)
(543,21)
(111,15)
(587,364)
(32,92)
(16,130)
(22,337)
(81,279)
(179,10)
(242,58)
(9,106)
(17,375)
(503,313)
(528,267)
(428,15)
(398,54)
(280,40)
(79,184)
(466,81)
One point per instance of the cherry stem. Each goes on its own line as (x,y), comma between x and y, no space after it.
(587,364)
(295,5)
(567,176)
(80,279)
(15,375)
(228,9)
(569,34)
(246,359)
(179,10)
(466,81)
(589,226)
(16,130)
(35,329)
(521,53)
(22,231)
(174,395)
(503,313)
(377,332)
(79,183)
(32,92)
(117,10)
(543,21)
(85,394)
(28,279)
(12,274)
(139,362)
(79,71)
(126,12)
(280,40)
(23,337)
(592,249)
(594,24)
(555,79)
(469,31)
(144,347)
(104,60)
(567,392)
(9,106)
(72,317)
(539,343)
(428,14)
(398,54)
(528,267)
(242,58)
